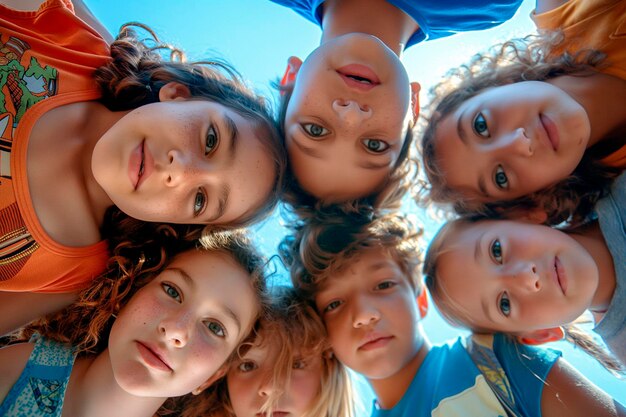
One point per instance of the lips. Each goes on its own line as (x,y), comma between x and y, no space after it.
(358,77)
(153,357)
(374,341)
(560,274)
(551,131)
(140,165)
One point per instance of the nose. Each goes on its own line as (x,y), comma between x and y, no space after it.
(364,313)
(175,329)
(351,112)
(517,143)
(181,167)
(267,386)
(524,276)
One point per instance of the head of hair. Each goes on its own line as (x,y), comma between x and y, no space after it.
(533,58)
(323,245)
(86,323)
(387,197)
(457,316)
(138,70)
(293,325)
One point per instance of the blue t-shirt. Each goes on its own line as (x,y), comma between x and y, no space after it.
(611,212)
(436,18)
(448,384)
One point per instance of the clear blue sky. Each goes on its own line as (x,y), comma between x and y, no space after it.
(258,36)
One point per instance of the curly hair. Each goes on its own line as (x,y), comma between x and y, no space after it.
(137,72)
(386,198)
(533,58)
(86,324)
(321,246)
(457,316)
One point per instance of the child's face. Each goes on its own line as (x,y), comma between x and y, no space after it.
(371,315)
(177,331)
(344,135)
(515,277)
(184,161)
(250,383)
(519,138)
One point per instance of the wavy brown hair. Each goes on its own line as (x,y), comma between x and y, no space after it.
(532,58)
(458,317)
(138,70)
(387,197)
(323,245)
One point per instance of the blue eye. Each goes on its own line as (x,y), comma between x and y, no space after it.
(314,130)
(171,291)
(501,179)
(247,366)
(496,251)
(211,140)
(332,306)
(216,328)
(199,202)
(505,304)
(375,145)
(480,126)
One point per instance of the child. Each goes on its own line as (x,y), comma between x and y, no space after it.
(162,141)
(288,369)
(528,280)
(363,277)
(348,109)
(541,119)
(173,324)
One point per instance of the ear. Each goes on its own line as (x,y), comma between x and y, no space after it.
(293,66)
(539,337)
(206,384)
(415,99)
(422,303)
(174,91)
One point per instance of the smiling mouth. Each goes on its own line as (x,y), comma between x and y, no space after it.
(560,274)
(152,358)
(551,131)
(376,343)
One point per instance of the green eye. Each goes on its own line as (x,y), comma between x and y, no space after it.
(480,126)
(505,304)
(199,202)
(375,145)
(496,251)
(211,140)
(501,179)
(171,291)
(315,130)
(216,328)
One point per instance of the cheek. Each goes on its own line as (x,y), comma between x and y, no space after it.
(305,388)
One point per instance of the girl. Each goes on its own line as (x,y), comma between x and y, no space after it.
(348,110)
(147,330)
(161,141)
(529,280)
(288,369)
(541,120)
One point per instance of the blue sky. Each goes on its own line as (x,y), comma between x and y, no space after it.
(257,37)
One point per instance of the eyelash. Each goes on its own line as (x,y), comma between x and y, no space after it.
(496,246)
(216,332)
(330,307)
(505,304)
(212,135)
(199,202)
(480,118)
(175,294)
(368,142)
(299,364)
(308,128)
(500,178)
(385,285)
(244,368)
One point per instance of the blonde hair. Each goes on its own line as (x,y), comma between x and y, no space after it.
(322,245)
(457,316)
(533,58)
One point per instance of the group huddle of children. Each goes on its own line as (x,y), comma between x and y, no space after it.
(129,286)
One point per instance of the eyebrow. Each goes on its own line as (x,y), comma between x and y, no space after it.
(483,187)
(233,132)
(485,305)
(478,250)
(459,128)
(188,280)
(221,205)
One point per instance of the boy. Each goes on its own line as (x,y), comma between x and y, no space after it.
(348,109)
(363,278)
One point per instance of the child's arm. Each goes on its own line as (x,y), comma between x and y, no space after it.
(547,5)
(568,393)
(20,308)
(12,362)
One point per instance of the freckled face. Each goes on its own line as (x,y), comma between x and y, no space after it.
(250,383)
(347,118)
(512,140)
(178,330)
(515,277)
(184,161)
(371,315)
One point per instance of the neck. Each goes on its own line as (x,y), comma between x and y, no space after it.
(603,98)
(389,391)
(98,120)
(93,391)
(375,17)
(590,237)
